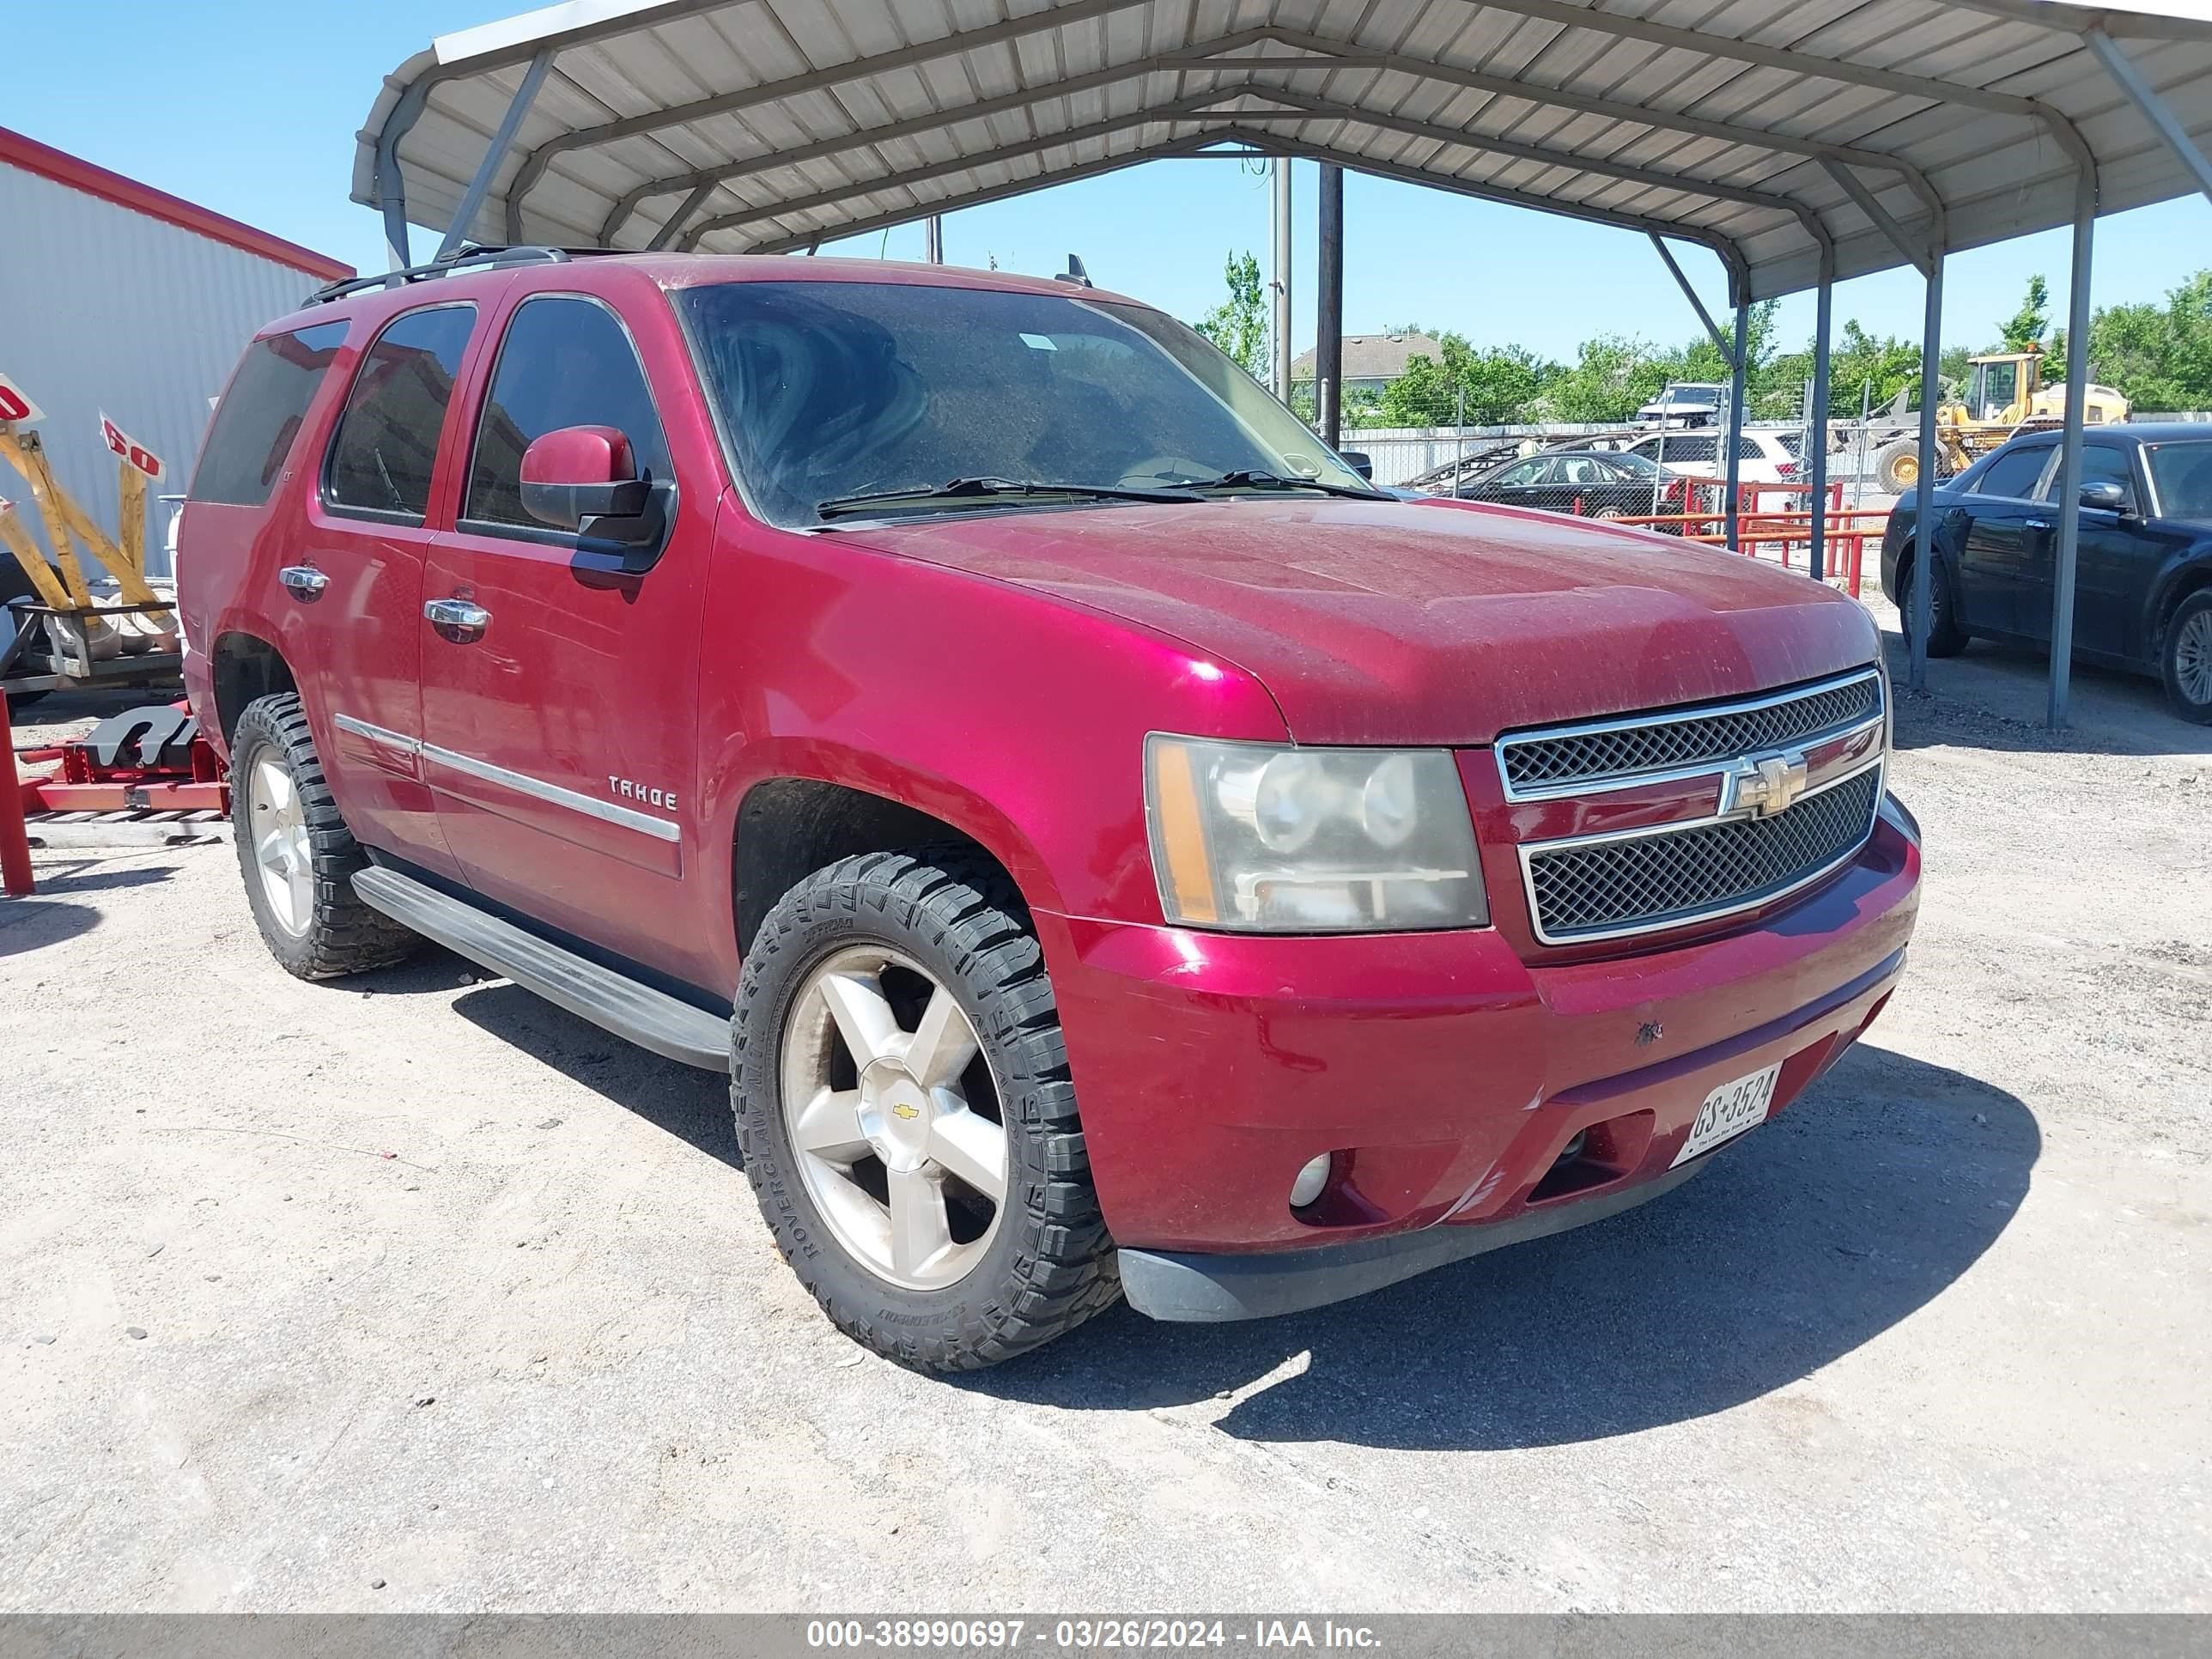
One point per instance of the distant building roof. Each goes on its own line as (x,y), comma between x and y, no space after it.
(1374,356)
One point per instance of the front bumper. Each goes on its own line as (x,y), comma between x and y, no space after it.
(1446,1075)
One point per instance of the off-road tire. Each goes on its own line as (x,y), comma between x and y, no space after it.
(1897,467)
(1050,1265)
(343,935)
(1945,637)
(2195,612)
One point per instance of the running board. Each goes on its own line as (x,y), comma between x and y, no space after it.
(650,1018)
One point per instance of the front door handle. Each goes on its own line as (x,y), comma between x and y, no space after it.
(2039,523)
(458,620)
(303,581)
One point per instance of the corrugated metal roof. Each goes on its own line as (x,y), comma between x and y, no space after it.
(1758,128)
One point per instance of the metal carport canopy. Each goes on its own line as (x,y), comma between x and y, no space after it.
(1757,128)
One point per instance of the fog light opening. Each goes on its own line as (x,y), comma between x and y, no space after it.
(1312,1181)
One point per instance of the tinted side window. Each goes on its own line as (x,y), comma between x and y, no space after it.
(387,438)
(260,414)
(2014,473)
(2102,463)
(565,362)
(1525,472)
(1685,447)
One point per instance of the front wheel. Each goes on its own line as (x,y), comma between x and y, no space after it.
(902,1101)
(2187,658)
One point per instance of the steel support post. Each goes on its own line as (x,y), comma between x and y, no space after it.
(1282,311)
(1734,471)
(1922,595)
(496,152)
(16,876)
(1328,304)
(2070,465)
(932,238)
(1816,433)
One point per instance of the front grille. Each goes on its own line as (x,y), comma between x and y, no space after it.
(1578,759)
(1662,879)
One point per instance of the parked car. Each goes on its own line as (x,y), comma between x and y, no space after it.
(1590,483)
(1765,456)
(1113,850)
(2143,593)
(1685,404)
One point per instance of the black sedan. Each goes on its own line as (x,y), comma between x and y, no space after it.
(1593,483)
(2143,577)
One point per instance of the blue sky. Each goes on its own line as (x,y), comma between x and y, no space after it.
(250,108)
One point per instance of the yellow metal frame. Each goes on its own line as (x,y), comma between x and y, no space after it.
(61,584)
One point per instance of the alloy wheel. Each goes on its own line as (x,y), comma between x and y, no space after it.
(2192,658)
(281,845)
(894,1117)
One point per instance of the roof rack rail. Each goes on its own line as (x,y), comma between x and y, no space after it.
(470,258)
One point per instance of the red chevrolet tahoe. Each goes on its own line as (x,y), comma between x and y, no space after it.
(1112,849)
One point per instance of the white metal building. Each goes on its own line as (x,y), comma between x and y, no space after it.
(119,298)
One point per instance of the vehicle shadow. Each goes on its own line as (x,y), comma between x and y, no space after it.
(1848,1213)
(1995,695)
(679,1100)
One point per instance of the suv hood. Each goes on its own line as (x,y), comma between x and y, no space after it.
(1420,623)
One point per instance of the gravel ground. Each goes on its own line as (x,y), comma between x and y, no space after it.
(416,1293)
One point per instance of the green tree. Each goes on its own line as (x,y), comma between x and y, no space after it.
(2159,357)
(2028,325)
(1610,378)
(1497,385)
(1859,360)
(1239,323)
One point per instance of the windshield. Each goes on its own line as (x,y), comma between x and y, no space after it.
(2183,473)
(831,391)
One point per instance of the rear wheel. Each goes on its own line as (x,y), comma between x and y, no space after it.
(297,856)
(2187,658)
(901,1097)
(1945,637)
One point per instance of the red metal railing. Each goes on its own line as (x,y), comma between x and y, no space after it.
(1763,534)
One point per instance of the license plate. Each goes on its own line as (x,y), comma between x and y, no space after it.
(1728,1111)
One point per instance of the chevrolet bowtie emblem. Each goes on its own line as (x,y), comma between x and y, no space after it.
(1764,785)
(904,1110)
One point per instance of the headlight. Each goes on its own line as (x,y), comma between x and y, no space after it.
(1266,839)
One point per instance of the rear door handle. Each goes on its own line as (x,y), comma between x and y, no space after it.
(2039,523)
(303,581)
(458,620)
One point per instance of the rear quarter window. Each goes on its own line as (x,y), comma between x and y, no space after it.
(260,414)
(386,441)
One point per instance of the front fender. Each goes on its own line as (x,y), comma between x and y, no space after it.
(1016,718)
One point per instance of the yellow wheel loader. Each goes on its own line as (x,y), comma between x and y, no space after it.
(2005,396)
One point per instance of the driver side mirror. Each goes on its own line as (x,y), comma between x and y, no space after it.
(1359,461)
(585,479)
(2104,497)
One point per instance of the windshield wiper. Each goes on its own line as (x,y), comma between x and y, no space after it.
(1251,478)
(992,488)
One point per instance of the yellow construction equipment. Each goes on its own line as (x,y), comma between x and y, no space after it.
(2006,396)
(69,633)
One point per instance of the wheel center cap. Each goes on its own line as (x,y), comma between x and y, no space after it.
(896,1115)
